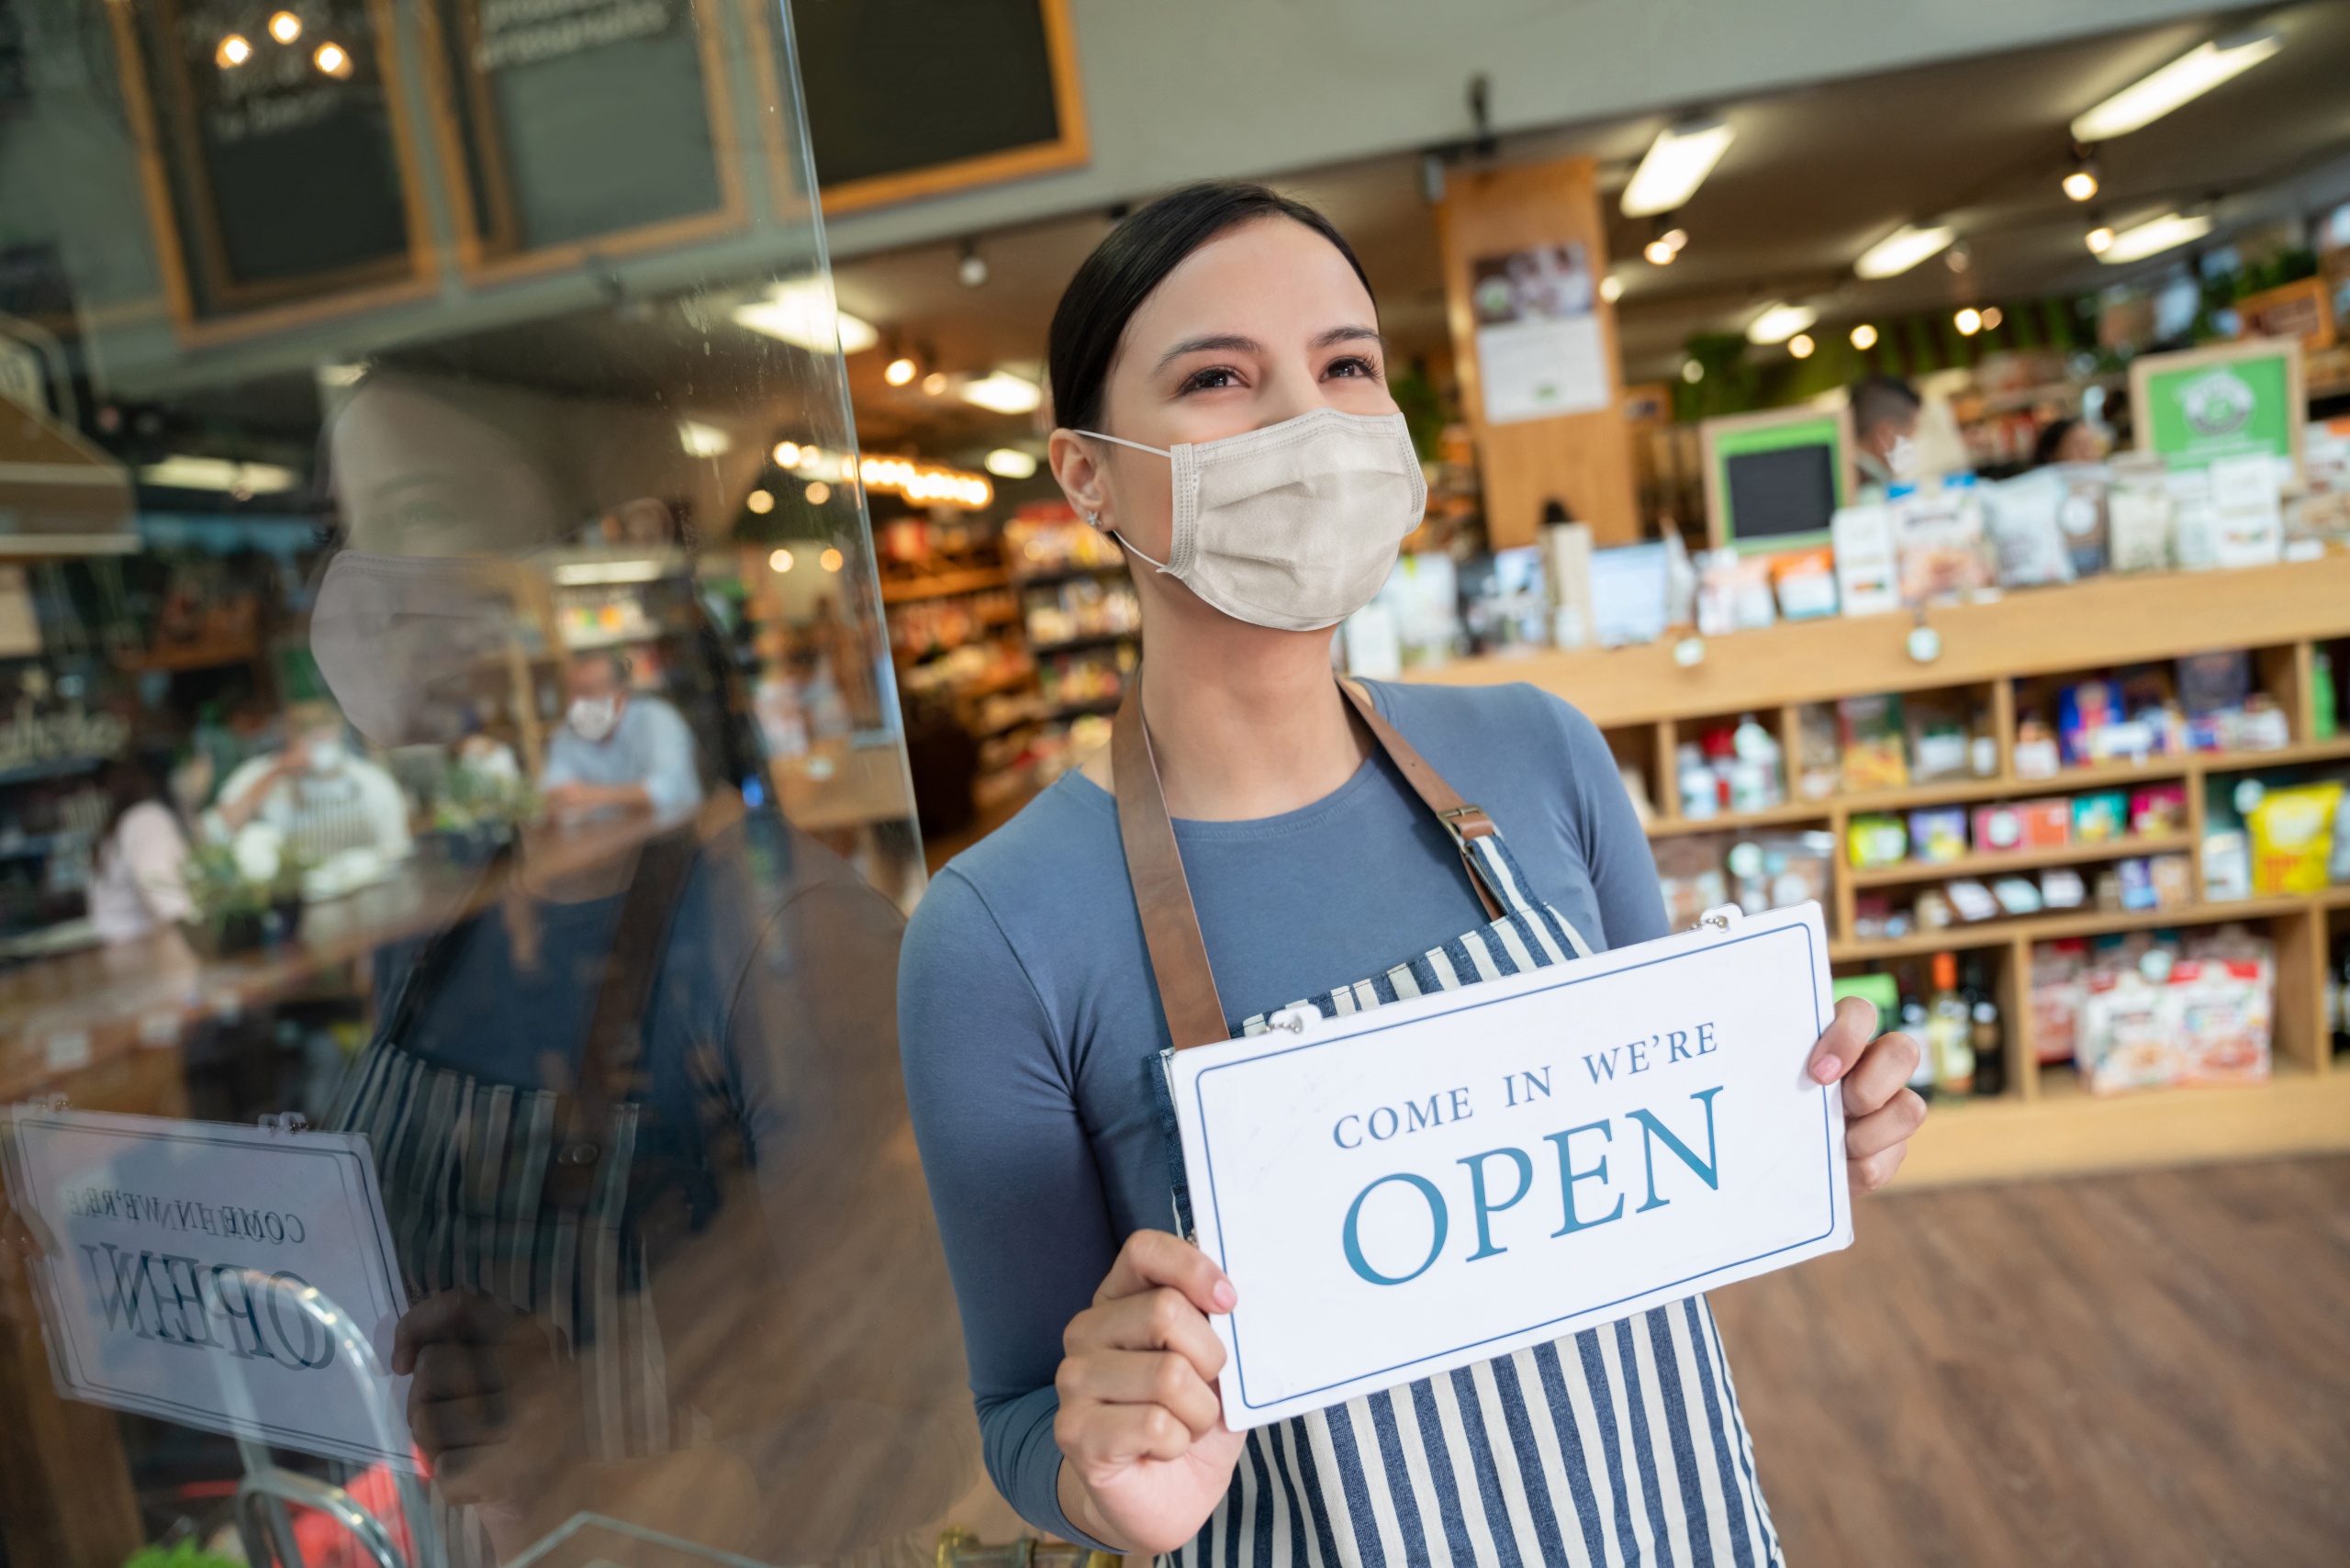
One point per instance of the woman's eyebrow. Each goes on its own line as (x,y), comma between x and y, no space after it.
(1349,334)
(1227,342)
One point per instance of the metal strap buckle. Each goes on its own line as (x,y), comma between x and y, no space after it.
(1453,820)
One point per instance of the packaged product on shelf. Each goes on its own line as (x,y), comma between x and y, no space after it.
(1757,782)
(1868,578)
(1795,868)
(2247,511)
(1699,786)
(2338,862)
(1876,838)
(2058,989)
(2025,536)
(2018,896)
(2084,709)
(2080,515)
(1422,593)
(2221,1013)
(1950,1030)
(1932,912)
(2037,755)
(2137,883)
(1998,827)
(1372,646)
(2060,888)
(1820,763)
(2120,1041)
(2227,865)
(1566,566)
(2101,817)
(1938,833)
(2194,521)
(2318,514)
(2213,684)
(2158,810)
(1940,745)
(1804,583)
(1630,594)
(2173,880)
(2047,824)
(1970,900)
(1690,876)
(2292,837)
(1874,918)
(1941,544)
(1504,602)
(1870,732)
(2138,514)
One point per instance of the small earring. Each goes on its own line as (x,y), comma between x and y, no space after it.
(1094,519)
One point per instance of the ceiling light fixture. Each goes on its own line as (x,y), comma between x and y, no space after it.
(233,51)
(703,441)
(1002,392)
(1669,241)
(2080,183)
(1779,322)
(1904,249)
(935,384)
(1864,337)
(787,454)
(972,269)
(181,471)
(332,59)
(1801,345)
(285,26)
(781,561)
(804,314)
(1676,163)
(1968,322)
(902,370)
(2153,238)
(2188,77)
(925,484)
(817,492)
(1992,317)
(1010,463)
(1611,288)
(2100,239)
(830,560)
(760,501)
(1692,372)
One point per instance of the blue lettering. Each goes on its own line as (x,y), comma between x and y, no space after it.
(1708,1170)
(1414,1120)
(1569,1176)
(1372,1124)
(1676,1044)
(1533,1083)
(1339,1135)
(1606,1062)
(1486,1210)
(1640,1060)
(1461,1110)
(1427,1188)
(1705,1040)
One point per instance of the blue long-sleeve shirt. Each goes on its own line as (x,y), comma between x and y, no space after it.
(652,746)
(1028,1018)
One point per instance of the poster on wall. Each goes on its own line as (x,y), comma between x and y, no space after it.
(1539,350)
(2234,400)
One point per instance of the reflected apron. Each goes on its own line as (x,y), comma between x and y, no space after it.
(1619,1445)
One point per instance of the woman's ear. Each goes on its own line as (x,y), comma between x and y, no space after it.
(1081,478)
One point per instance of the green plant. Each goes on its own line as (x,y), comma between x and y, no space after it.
(181,1553)
(220,890)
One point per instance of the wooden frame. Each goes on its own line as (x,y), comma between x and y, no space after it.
(2314,294)
(1711,459)
(194,329)
(2146,367)
(1071,149)
(498,256)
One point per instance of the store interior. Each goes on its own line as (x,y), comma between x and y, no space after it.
(2047,712)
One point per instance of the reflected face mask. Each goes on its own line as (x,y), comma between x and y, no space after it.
(1295,526)
(399,638)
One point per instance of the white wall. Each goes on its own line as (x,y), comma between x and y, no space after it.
(1190,89)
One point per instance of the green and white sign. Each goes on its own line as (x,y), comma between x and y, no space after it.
(2207,404)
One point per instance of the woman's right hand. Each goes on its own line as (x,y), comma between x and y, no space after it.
(1146,1454)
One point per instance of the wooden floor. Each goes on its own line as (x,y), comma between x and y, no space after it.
(2121,1371)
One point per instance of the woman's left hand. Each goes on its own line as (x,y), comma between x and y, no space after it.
(1880,1109)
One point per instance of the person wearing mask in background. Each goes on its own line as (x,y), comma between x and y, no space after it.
(618,750)
(137,882)
(1289,842)
(1884,434)
(320,795)
(2069,441)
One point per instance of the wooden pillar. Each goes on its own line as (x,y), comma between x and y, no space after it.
(1582,458)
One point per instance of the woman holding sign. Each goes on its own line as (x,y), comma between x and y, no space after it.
(1271,835)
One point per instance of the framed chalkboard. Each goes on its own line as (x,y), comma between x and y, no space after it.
(908,98)
(1774,480)
(273,148)
(576,124)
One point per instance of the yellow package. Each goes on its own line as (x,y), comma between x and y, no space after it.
(2292,836)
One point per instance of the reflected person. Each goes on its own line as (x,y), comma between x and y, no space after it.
(635,1099)
(619,750)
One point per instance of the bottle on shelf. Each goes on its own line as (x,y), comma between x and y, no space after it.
(1913,1024)
(1701,797)
(1989,1039)
(1950,1030)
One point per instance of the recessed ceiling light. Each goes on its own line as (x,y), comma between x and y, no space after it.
(1779,322)
(1676,163)
(760,501)
(1968,322)
(1864,337)
(804,314)
(902,370)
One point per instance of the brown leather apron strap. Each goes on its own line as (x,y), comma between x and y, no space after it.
(1170,923)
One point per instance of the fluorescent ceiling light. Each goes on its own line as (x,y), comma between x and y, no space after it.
(804,314)
(703,441)
(573,572)
(2152,239)
(1676,163)
(1011,462)
(2189,77)
(1904,249)
(182,472)
(1779,322)
(1003,393)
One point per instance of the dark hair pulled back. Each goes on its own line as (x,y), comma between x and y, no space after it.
(1111,284)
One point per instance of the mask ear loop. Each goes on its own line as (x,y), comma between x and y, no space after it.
(1094,519)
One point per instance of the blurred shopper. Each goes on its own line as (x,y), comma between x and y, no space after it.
(1885,434)
(319,795)
(1232,328)
(137,882)
(636,1104)
(2068,441)
(619,750)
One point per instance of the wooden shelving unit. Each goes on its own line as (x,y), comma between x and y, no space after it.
(1646,698)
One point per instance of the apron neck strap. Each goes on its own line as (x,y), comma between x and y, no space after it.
(1170,923)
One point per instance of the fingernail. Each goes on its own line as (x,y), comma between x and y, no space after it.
(1826,1069)
(1223,1295)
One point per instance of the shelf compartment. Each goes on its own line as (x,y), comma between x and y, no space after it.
(1998,862)
(2048,927)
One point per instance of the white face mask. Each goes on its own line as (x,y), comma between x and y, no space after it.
(398,639)
(326,755)
(594,717)
(1294,526)
(1901,457)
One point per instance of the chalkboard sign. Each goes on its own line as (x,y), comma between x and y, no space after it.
(1774,480)
(910,97)
(580,123)
(270,131)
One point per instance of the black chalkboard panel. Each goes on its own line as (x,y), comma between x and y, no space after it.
(581,119)
(900,85)
(279,151)
(1782,491)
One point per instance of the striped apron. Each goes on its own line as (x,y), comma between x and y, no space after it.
(1612,1447)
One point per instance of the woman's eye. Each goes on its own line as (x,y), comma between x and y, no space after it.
(1212,379)
(1353,364)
